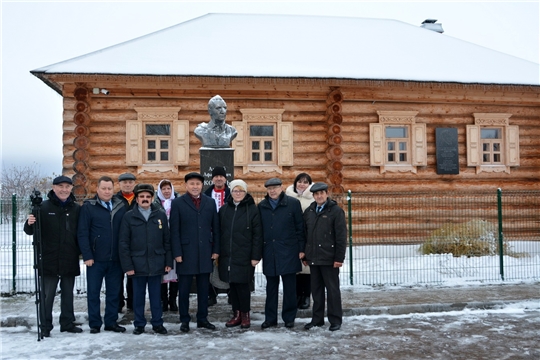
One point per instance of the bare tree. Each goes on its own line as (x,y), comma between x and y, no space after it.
(22,180)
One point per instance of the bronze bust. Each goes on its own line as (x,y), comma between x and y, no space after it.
(216,133)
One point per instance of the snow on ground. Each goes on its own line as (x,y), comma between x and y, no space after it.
(511,331)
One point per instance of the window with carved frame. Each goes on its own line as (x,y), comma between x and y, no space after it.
(157,141)
(397,142)
(264,142)
(492,143)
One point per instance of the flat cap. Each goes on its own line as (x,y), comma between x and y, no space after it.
(272,182)
(192,175)
(139,188)
(318,187)
(126,176)
(62,179)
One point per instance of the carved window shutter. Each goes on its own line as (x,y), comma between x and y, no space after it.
(239,144)
(285,135)
(376,144)
(473,145)
(134,149)
(181,136)
(419,145)
(512,147)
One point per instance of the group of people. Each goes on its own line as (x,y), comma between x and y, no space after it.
(163,241)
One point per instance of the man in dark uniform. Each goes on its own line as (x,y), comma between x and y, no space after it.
(59,216)
(326,234)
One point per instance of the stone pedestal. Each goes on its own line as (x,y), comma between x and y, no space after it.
(212,157)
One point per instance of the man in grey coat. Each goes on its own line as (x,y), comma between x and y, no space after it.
(283,247)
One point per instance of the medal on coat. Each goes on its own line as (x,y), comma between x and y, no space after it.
(159,222)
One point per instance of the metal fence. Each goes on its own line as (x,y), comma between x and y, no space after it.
(468,236)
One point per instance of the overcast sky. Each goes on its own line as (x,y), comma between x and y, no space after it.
(41,33)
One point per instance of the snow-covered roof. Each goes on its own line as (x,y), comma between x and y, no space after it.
(303,47)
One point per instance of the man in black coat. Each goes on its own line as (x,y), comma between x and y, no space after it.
(127,196)
(59,216)
(283,247)
(145,255)
(219,191)
(194,224)
(326,231)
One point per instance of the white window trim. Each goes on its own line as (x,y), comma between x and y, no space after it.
(179,147)
(510,141)
(418,142)
(284,140)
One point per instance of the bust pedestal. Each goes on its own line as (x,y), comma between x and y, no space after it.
(212,157)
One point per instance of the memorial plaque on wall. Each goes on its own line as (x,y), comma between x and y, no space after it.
(210,158)
(447,151)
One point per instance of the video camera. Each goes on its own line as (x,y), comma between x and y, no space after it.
(36,198)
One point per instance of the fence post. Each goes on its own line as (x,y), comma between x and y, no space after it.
(349,202)
(14,238)
(501,249)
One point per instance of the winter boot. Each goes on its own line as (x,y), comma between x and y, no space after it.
(235,320)
(246,322)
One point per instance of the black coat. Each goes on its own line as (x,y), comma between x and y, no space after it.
(326,234)
(194,234)
(240,241)
(58,236)
(145,246)
(283,236)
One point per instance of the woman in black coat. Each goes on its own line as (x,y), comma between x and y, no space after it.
(240,249)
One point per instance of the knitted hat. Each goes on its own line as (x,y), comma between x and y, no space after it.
(239,183)
(218,170)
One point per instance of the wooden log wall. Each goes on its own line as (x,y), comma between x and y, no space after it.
(330,133)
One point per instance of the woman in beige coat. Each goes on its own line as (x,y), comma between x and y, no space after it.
(300,190)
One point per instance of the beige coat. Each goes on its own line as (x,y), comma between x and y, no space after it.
(305,200)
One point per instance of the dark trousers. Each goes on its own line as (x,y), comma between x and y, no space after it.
(326,277)
(111,272)
(288,313)
(303,285)
(240,295)
(67,317)
(184,285)
(169,292)
(126,300)
(154,295)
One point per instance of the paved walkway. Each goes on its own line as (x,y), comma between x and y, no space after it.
(19,309)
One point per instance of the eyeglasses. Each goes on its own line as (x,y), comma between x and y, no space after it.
(238,191)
